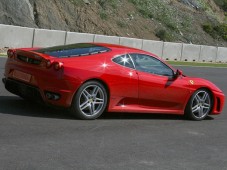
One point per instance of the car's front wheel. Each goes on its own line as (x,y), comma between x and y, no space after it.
(199,105)
(90,101)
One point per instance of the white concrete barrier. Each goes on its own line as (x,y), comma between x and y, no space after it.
(155,47)
(208,53)
(190,52)
(74,37)
(16,37)
(47,38)
(107,39)
(131,42)
(172,51)
(222,55)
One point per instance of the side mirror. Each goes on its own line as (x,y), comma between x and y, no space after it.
(178,73)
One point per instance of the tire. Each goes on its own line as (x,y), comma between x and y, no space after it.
(90,101)
(199,105)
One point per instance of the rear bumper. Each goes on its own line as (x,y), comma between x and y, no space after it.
(22,89)
(38,93)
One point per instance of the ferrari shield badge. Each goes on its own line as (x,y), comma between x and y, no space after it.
(191,82)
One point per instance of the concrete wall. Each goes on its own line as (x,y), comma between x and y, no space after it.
(172,51)
(222,55)
(208,54)
(107,39)
(190,52)
(131,42)
(155,47)
(47,38)
(15,37)
(74,37)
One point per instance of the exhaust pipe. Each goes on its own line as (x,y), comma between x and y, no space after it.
(52,96)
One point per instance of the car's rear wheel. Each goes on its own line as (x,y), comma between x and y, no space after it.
(90,101)
(199,105)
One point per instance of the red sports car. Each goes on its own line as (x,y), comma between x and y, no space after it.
(90,78)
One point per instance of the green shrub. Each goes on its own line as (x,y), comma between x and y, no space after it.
(222,4)
(145,13)
(225,37)
(221,31)
(143,7)
(102,3)
(216,31)
(164,35)
(208,28)
(103,15)
(122,24)
(105,3)
(225,6)
(158,10)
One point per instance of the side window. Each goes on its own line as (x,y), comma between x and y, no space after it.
(124,60)
(150,64)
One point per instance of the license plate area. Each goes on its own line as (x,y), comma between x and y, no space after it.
(22,76)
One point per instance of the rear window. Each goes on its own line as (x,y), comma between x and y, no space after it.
(73,50)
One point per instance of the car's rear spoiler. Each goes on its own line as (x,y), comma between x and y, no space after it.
(32,54)
(33,57)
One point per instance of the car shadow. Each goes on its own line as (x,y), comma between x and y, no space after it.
(145,116)
(17,106)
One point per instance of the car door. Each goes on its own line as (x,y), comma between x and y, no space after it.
(158,89)
(123,81)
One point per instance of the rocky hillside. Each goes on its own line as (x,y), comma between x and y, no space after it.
(190,21)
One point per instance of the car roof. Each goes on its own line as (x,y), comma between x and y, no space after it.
(106,47)
(115,46)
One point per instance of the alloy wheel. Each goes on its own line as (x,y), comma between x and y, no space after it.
(201,104)
(91,100)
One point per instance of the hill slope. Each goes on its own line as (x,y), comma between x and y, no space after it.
(190,21)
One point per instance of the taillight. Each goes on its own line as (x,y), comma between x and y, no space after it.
(10,53)
(55,64)
(58,65)
(48,63)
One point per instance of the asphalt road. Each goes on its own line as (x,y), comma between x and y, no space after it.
(37,137)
